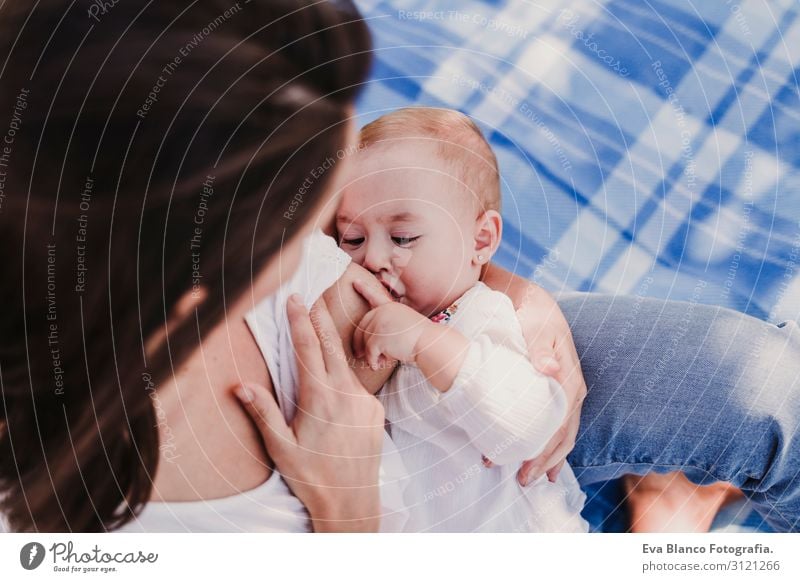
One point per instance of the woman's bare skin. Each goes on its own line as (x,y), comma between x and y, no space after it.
(670,503)
(209,446)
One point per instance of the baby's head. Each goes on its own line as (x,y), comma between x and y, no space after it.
(420,205)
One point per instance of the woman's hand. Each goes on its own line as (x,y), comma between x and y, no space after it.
(330,452)
(552,352)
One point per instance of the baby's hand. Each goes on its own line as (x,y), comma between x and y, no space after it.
(395,331)
(389,332)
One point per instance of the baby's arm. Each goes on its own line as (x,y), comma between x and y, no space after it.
(508,409)
(440,354)
(393,331)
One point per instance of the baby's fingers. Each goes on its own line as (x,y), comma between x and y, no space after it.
(372,292)
(374,353)
(360,334)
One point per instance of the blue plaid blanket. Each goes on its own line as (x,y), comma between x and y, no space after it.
(642,145)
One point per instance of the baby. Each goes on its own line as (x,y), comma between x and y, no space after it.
(420,210)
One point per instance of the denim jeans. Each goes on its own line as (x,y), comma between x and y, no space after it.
(682,386)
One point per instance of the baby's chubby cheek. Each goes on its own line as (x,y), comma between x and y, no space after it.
(401,257)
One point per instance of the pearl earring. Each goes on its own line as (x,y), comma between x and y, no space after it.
(480,257)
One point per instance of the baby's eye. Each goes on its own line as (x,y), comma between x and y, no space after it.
(404,240)
(353,242)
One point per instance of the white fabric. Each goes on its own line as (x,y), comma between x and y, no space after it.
(270,507)
(498,406)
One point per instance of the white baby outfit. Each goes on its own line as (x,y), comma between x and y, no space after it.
(498,406)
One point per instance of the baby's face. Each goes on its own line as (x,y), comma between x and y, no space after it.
(406,218)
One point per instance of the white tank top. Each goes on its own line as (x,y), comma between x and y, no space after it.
(270,507)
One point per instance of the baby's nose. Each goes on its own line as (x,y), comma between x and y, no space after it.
(377,257)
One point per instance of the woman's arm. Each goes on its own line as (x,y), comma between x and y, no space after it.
(552,351)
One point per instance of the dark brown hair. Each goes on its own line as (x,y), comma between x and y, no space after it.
(151,148)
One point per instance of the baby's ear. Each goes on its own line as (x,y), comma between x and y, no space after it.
(488,232)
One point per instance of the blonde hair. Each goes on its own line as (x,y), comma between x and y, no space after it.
(459,142)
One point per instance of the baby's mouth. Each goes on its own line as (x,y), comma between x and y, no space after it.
(395,295)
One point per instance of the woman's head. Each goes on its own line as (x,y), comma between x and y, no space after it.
(162,152)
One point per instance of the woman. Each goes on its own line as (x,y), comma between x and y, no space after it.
(152,182)
(198,139)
